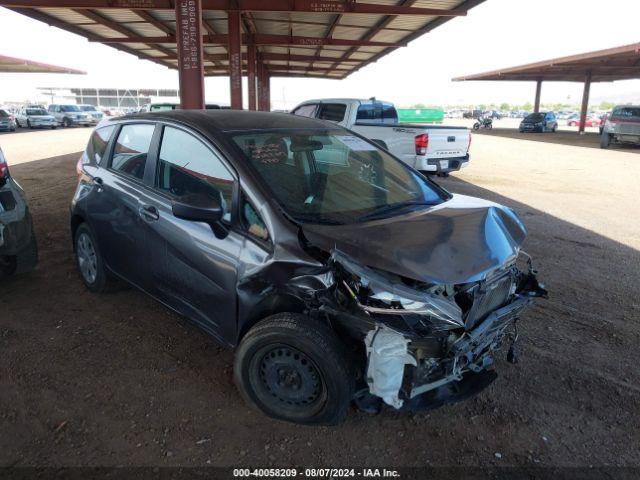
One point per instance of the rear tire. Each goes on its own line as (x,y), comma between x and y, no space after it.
(294,368)
(90,262)
(66,123)
(476,126)
(29,125)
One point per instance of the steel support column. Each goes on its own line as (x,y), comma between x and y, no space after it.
(260,71)
(190,66)
(251,76)
(536,105)
(235,59)
(585,102)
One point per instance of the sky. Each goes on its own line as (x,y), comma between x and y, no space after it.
(496,34)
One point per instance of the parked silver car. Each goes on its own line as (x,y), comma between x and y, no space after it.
(70,115)
(95,114)
(7,121)
(35,117)
(18,248)
(622,126)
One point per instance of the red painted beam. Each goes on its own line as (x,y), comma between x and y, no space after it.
(235,59)
(258,39)
(251,76)
(190,65)
(313,6)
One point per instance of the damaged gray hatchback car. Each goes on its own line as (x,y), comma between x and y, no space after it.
(337,272)
(18,248)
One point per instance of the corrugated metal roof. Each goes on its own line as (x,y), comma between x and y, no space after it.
(99,21)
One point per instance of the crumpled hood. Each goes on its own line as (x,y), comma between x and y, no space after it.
(458,241)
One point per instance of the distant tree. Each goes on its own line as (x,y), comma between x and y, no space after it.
(527,106)
(606,106)
(419,106)
(505,106)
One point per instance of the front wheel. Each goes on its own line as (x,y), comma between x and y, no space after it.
(66,123)
(294,368)
(476,126)
(605,140)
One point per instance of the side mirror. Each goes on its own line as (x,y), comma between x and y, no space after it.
(202,208)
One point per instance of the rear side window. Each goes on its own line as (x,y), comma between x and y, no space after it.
(97,146)
(377,112)
(187,167)
(306,110)
(131,149)
(333,112)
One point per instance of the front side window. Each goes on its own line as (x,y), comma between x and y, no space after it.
(306,110)
(70,108)
(334,112)
(131,149)
(626,112)
(333,176)
(186,166)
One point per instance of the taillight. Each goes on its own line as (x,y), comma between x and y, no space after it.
(4,168)
(469,144)
(421,142)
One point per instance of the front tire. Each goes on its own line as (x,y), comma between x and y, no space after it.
(605,140)
(476,126)
(90,262)
(294,368)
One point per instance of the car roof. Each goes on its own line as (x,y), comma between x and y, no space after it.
(218,121)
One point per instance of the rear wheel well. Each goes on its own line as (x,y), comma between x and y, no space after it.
(76,221)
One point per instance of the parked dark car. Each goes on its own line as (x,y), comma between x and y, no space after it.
(337,276)
(7,121)
(18,248)
(539,122)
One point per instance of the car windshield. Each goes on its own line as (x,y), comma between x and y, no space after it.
(626,112)
(333,176)
(36,111)
(3,113)
(69,108)
(535,117)
(88,108)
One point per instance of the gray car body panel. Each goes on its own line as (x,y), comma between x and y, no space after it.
(190,270)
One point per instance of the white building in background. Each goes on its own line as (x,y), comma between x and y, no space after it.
(115,98)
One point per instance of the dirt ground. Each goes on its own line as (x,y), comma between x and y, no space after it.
(118,380)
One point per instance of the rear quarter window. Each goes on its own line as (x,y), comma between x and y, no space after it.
(97,146)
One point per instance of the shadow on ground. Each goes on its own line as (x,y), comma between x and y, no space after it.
(561,137)
(119,380)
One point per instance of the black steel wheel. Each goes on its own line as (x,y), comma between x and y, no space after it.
(294,368)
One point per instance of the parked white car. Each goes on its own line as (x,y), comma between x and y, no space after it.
(427,148)
(35,116)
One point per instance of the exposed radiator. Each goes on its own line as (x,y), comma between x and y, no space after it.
(489,297)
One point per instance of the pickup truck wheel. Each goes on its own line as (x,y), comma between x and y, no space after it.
(605,140)
(294,368)
(29,125)
(66,123)
(90,263)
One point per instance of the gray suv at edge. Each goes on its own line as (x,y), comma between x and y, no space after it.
(337,273)
(70,115)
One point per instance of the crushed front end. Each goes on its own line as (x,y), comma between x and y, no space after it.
(426,344)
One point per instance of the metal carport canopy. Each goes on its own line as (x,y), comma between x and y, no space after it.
(19,65)
(619,63)
(259,38)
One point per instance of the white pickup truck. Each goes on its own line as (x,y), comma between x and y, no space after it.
(428,148)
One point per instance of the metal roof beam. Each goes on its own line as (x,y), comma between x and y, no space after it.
(258,39)
(312,6)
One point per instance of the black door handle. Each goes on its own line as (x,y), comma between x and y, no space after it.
(149,212)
